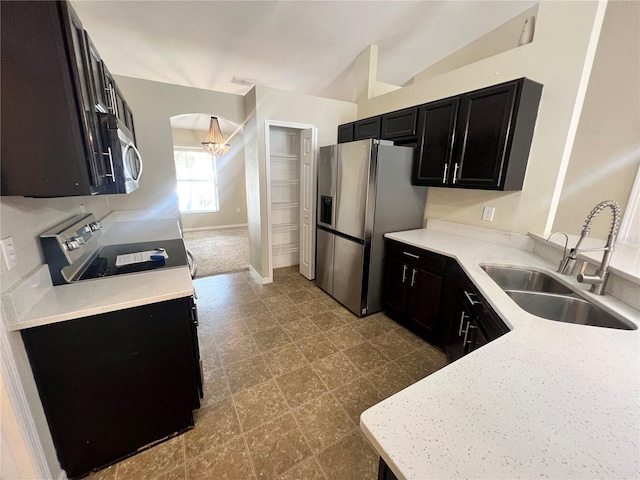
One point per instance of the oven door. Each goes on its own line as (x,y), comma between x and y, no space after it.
(131,161)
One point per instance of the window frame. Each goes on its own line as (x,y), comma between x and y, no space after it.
(213,181)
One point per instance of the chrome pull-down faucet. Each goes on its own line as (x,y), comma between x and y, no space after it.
(599,280)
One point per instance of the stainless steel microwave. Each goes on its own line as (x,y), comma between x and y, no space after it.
(125,161)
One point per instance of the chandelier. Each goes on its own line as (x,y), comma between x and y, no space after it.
(214,143)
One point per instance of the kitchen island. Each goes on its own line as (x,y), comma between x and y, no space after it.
(547,399)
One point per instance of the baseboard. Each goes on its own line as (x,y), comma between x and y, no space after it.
(202,229)
(256,276)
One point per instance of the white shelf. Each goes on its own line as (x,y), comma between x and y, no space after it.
(283,183)
(285,227)
(279,205)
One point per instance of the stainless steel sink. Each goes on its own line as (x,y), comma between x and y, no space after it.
(514,278)
(568,309)
(544,296)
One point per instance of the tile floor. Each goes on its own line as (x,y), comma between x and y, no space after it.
(287,372)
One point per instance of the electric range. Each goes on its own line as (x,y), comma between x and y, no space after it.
(73,252)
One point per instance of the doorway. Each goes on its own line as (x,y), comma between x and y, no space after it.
(291,156)
(211,194)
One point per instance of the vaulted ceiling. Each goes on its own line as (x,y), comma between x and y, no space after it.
(301,46)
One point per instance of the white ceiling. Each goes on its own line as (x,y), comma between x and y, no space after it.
(301,46)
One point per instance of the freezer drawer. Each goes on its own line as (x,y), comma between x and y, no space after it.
(324,260)
(348,277)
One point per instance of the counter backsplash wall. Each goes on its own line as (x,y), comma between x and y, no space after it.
(25,219)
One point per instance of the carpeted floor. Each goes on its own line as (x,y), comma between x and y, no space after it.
(219,251)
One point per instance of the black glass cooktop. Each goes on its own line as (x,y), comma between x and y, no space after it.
(104,265)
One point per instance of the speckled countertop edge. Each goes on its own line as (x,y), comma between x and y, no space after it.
(546,399)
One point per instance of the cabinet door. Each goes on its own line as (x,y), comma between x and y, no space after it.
(484,123)
(395,290)
(437,127)
(423,301)
(345,133)
(367,128)
(399,124)
(97,77)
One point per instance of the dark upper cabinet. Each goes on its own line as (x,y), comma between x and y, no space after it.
(435,148)
(480,139)
(345,133)
(399,124)
(367,128)
(96,70)
(51,92)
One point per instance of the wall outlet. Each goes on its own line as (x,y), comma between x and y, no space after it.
(487,214)
(238,210)
(9,253)
(83,209)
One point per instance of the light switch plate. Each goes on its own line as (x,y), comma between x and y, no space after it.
(487,214)
(9,253)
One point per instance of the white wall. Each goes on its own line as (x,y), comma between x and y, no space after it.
(231,182)
(606,152)
(153,105)
(559,58)
(270,104)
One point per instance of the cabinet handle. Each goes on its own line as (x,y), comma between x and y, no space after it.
(413,277)
(412,255)
(444,175)
(455,173)
(463,316)
(404,273)
(471,300)
(112,174)
(466,333)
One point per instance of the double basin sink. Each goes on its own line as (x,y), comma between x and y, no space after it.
(544,296)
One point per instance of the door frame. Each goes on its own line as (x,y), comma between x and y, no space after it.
(314,147)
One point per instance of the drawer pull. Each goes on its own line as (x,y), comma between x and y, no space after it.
(466,333)
(463,316)
(471,300)
(404,273)
(412,255)
(444,175)
(413,277)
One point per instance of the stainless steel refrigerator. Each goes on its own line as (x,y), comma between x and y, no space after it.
(364,191)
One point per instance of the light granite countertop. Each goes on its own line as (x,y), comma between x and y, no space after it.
(546,400)
(34,301)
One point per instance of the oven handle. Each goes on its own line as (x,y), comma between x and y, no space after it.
(138,156)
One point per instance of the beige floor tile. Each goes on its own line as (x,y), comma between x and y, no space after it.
(104,474)
(300,329)
(411,337)
(215,386)
(214,426)
(248,308)
(287,313)
(418,364)
(313,307)
(229,461)
(390,379)
(235,349)
(276,447)
(284,359)
(335,370)
(367,327)
(323,421)
(177,473)
(317,347)
(272,338)
(153,462)
(366,357)
(261,321)
(301,386)
(247,373)
(228,331)
(209,356)
(357,396)
(344,337)
(292,286)
(300,296)
(277,302)
(307,470)
(260,404)
(387,323)
(352,458)
(327,320)
(392,345)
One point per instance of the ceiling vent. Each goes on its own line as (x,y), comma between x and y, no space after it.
(243,81)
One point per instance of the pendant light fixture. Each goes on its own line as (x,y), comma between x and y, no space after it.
(214,143)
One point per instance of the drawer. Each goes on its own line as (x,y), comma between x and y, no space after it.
(430,261)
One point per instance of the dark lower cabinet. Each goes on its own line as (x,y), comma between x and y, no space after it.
(384,472)
(113,383)
(413,288)
(473,322)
